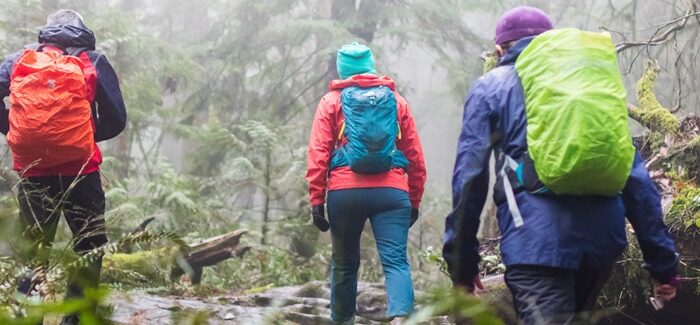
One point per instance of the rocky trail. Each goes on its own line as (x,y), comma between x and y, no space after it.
(307,304)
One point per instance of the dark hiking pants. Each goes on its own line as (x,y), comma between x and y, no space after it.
(81,200)
(545,295)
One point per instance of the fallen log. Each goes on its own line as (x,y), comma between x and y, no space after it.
(209,253)
(157,267)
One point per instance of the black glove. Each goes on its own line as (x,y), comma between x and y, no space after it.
(414,217)
(319,215)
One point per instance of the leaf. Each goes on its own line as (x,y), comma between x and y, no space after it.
(259,289)
(182,200)
(128,208)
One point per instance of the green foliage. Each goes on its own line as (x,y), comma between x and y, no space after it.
(628,284)
(234,96)
(491,61)
(448,301)
(274,267)
(492,264)
(656,141)
(22,17)
(434,258)
(684,214)
(175,199)
(84,308)
(683,158)
(219,113)
(64,262)
(139,269)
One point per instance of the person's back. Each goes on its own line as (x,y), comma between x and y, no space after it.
(66,32)
(558,249)
(54,138)
(365,156)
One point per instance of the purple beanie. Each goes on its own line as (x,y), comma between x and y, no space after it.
(521,22)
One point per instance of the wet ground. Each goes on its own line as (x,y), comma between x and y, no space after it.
(307,304)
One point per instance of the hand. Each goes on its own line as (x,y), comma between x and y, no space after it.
(664,292)
(471,287)
(319,216)
(414,216)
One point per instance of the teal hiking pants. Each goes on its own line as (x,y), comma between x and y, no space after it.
(389,212)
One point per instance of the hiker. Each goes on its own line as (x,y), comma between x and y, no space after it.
(364,151)
(561,231)
(64,98)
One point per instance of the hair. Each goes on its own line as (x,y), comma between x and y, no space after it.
(65,17)
(507,45)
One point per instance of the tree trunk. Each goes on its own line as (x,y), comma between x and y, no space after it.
(267,180)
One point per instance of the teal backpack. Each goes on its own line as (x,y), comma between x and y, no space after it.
(371,129)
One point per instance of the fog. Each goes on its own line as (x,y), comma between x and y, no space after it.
(221,94)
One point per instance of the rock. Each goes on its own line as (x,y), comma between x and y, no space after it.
(371,302)
(305,304)
(314,289)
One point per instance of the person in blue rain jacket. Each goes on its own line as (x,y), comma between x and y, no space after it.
(559,260)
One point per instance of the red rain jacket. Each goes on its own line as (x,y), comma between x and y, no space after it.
(324,140)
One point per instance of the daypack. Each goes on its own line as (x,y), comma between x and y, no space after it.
(578,136)
(371,130)
(50,116)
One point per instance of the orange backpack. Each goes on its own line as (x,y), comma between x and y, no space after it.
(50,115)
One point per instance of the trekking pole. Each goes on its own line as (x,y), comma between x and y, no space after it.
(657,303)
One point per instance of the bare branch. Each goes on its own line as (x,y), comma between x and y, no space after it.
(669,29)
(679,80)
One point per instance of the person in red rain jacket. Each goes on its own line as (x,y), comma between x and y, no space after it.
(389,200)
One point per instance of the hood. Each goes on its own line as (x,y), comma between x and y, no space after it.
(68,36)
(514,52)
(362,81)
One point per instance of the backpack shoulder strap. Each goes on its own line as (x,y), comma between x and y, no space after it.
(76,51)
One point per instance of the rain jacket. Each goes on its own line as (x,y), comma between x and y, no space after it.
(324,140)
(108,111)
(558,231)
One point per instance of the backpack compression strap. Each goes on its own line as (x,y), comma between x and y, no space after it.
(342,131)
(509,163)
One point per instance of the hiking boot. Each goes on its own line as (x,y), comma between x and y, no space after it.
(70,320)
(29,284)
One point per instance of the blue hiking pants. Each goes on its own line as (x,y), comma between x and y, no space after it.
(389,212)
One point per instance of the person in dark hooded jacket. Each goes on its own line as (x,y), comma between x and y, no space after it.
(559,259)
(73,188)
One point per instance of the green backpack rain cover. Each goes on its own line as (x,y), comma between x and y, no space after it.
(577,128)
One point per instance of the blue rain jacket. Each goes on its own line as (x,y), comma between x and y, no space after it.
(559,231)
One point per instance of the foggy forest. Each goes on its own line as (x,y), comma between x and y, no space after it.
(207,207)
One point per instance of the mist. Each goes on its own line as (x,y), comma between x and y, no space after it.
(221,94)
